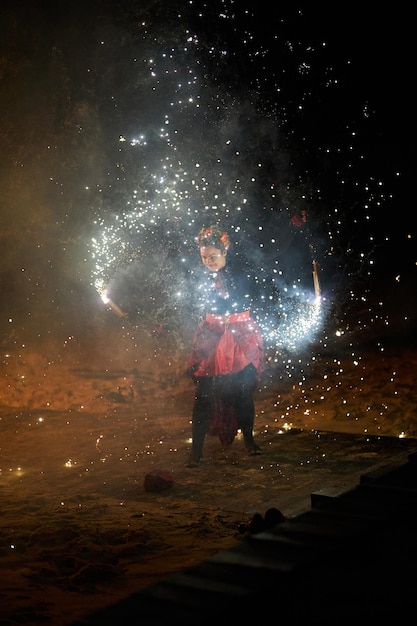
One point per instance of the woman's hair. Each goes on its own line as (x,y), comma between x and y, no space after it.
(213,236)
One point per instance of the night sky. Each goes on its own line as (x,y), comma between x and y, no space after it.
(125,130)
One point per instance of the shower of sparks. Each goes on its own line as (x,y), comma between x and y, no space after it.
(240,129)
(212,111)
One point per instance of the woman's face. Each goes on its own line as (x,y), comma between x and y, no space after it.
(213,258)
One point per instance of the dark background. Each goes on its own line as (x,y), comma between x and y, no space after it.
(295,109)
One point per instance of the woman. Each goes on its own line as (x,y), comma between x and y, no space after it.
(227,350)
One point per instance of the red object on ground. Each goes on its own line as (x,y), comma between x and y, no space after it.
(158,480)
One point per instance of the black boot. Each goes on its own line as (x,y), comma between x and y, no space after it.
(251,447)
(194,458)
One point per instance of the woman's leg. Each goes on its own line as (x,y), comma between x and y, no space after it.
(201,416)
(245,407)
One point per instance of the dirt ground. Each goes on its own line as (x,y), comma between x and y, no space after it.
(83,422)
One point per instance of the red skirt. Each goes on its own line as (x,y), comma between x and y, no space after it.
(225,344)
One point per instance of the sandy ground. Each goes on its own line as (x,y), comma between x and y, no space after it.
(84,421)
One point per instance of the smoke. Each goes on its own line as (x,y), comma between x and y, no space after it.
(128,130)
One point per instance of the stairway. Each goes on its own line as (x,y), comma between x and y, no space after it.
(351,557)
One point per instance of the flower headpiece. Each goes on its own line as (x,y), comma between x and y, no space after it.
(213,236)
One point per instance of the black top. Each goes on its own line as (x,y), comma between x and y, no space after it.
(232,289)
